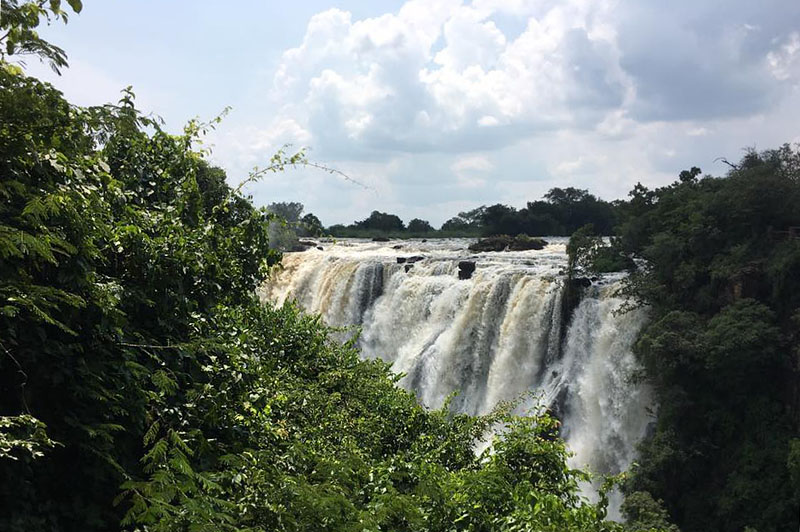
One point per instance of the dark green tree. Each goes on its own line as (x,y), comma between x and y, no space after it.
(381,221)
(499,219)
(419,226)
(310,225)
(721,275)
(454,224)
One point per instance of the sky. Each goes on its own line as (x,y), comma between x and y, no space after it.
(440,106)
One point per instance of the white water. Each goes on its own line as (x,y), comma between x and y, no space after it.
(491,338)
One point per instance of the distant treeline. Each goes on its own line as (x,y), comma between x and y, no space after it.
(561,212)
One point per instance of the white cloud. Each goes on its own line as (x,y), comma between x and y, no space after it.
(697,132)
(435,74)
(439,104)
(470,170)
(472,162)
(784,62)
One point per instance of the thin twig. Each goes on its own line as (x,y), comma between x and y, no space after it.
(150,346)
(24,378)
(725,161)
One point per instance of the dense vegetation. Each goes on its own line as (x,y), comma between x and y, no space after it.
(144,387)
(720,271)
(560,213)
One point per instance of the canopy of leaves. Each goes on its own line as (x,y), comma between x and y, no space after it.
(721,274)
(588,254)
(563,212)
(18,23)
(419,226)
(381,221)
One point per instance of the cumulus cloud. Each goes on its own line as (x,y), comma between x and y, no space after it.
(442,76)
(451,102)
(784,62)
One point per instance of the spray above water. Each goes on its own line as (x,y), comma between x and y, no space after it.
(494,337)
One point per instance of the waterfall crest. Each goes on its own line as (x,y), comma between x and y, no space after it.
(491,338)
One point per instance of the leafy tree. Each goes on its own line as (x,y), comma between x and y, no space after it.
(285,225)
(381,221)
(18,23)
(108,247)
(720,275)
(288,211)
(588,254)
(643,513)
(473,218)
(454,224)
(566,196)
(499,219)
(310,225)
(419,226)
(574,208)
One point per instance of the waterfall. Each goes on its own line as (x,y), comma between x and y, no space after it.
(494,337)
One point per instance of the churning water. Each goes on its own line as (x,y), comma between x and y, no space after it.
(494,337)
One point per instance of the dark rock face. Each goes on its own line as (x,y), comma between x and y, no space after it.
(465,269)
(398,246)
(380,239)
(582,282)
(307,243)
(574,288)
(320,248)
(408,267)
(370,278)
(409,260)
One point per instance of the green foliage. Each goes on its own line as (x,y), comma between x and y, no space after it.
(793,463)
(108,246)
(563,213)
(588,254)
(644,513)
(288,224)
(311,226)
(23,435)
(18,25)
(720,264)
(381,221)
(419,226)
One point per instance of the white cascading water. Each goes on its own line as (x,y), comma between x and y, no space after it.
(494,337)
